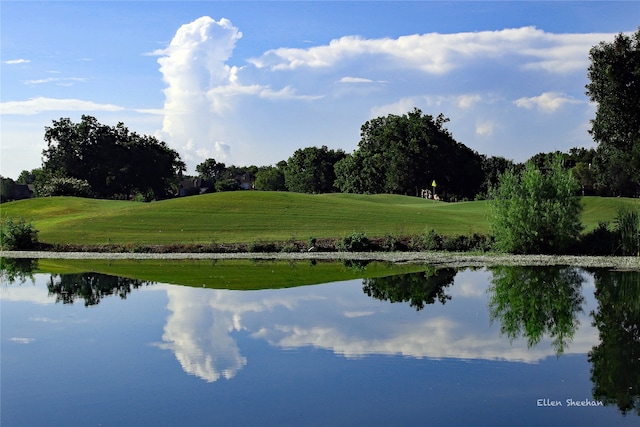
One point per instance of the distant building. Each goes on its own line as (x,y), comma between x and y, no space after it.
(192,186)
(245,181)
(23,191)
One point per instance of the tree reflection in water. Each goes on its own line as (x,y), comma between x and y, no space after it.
(615,361)
(17,269)
(418,289)
(528,302)
(91,287)
(534,301)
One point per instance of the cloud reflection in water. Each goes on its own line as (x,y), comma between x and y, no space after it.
(339,317)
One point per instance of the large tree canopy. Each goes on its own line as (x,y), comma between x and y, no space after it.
(211,170)
(114,161)
(614,75)
(271,178)
(311,170)
(404,154)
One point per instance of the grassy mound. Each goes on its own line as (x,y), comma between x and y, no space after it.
(249,216)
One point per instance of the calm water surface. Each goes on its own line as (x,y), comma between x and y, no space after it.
(446,347)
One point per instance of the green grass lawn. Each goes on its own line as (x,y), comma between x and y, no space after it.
(249,216)
(229,274)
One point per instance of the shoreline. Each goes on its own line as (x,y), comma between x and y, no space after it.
(454,259)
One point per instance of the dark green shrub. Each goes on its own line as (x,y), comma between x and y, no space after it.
(355,242)
(467,243)
(536,211)
(261,246)
(600,241)
(139,249)
(290,246)
(415,243)
(16,236)
(627,229)
(482,242)
(431,241)
(455,243)
(144,197)
(227,185)
(391,244)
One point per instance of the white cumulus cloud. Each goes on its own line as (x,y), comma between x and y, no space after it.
(484,128)
(437,53)
(548,102)
(200,86)
(21,340)
(41,104)
(468,101)
(60,81)
(17,61)
(349,79)
(203,89)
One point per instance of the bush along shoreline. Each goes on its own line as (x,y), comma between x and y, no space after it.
(605,240)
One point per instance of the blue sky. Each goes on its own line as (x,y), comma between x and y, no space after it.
(250,82)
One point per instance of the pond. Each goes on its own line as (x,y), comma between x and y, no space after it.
(428,346)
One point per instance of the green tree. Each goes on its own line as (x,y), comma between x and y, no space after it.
(492,168)
(360,173)
(228,184)
(37,177)
(612,172)
(417,289)
(211,171)
(614,74)
(543,160)
(583,174)
(536,301)
(404,154)
(115,162)
(311,170)
(535,211)
(615,361)
(7,189)
(18,235)
(270,178)
(91,287)
(581,155)
(28,177)
(155,169)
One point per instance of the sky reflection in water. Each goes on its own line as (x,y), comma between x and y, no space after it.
(307,355)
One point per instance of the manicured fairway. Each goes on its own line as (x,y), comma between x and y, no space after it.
(249,216)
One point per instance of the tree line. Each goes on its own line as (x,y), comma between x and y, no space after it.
(410,154)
